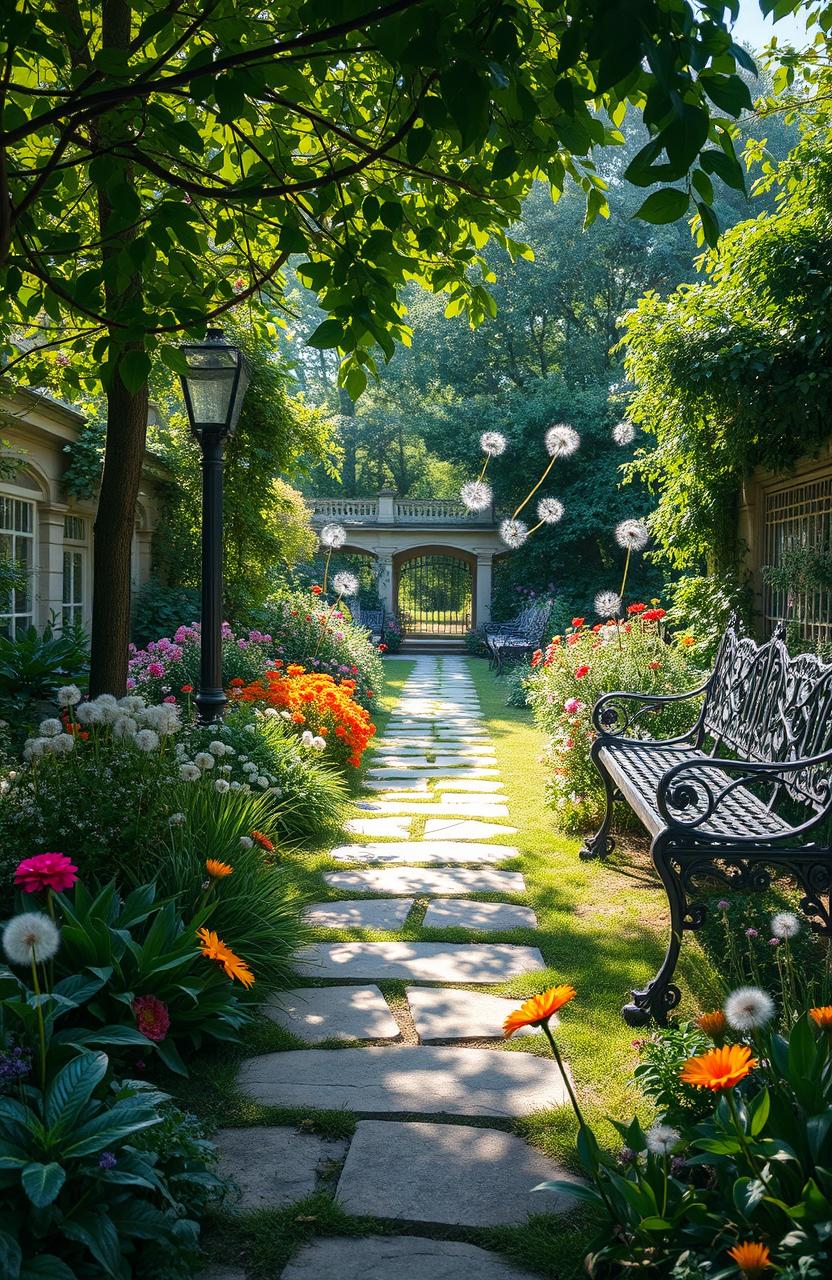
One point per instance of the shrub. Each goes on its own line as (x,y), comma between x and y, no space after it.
(159,610)
(516,684)
(573,672)
(32,665)
(322,711)
(391,636)
(169,668)
(663,1054)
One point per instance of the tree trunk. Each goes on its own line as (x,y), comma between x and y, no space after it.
(126,418)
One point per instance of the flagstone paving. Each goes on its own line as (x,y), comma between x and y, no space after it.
(271,1167)
(436,761)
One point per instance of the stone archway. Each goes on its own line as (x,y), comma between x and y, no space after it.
(435,590)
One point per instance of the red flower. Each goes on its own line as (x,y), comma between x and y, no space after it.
(536,657)
(577,622)
(654,615)
(152,1017)
(46,871)
(236,683)
(315,589)
(581,671)
(654,666)
(187,688)
(382,648)
(636,608)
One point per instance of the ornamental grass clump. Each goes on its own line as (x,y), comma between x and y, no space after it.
(570,674)
(737,1187)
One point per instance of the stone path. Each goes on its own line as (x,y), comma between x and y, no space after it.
(433,830)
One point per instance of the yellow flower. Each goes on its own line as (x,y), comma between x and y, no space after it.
(216,869)
(215,949)
(534,1012)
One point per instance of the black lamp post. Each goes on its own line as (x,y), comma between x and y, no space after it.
(213,387)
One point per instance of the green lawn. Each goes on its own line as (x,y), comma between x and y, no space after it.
(601,927)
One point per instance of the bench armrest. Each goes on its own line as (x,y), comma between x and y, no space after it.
(612,718)
(499,628)
(683,788)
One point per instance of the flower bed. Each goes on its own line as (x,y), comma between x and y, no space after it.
(323,711)
(572,672)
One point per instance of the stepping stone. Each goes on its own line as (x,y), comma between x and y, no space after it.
(366,913)
(422,961)
(452,805)
(447,1173)
(454,914)
(463,750)
(447,1013)
(272,1166)
(383,1257)
(406,1079)
(467,784)
(463,829)
(426,880)
(445,758)
(417,851)
(407,783)
(398,828)
(404,767)
(400,762)
(485,806)
(334,1013)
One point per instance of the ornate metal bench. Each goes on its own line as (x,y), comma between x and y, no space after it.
(513,639)
(744,795)
(372,619)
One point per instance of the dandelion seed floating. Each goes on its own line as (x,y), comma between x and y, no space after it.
(608,604)
(623,433)
(549,511)
(333,536)
(476,495)
(632,535)
(345,583)
(561,441)
(514,533)
(493,443)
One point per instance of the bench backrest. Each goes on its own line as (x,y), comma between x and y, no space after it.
(536,622)
(766,706)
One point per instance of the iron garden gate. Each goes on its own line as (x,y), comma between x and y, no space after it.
(435,595)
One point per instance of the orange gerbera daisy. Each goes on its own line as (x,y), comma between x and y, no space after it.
(822,1017)
(215,949)
(751,1258)
(538,1010)
(216,869)
(263,841)
(713,1024)
(719,1069)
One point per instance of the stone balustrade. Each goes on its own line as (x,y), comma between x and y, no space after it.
(388,509)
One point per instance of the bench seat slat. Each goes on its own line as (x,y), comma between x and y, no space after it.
(637,768)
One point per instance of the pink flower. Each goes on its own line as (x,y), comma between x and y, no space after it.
(46,871)
(155,669)
(152,1017)
(171,698)
(572,706)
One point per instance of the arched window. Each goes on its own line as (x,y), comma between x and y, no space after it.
(17,564)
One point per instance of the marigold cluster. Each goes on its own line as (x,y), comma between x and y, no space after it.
(319,703)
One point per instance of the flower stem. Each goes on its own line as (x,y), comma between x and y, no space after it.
(41,1026)
(533,491)
(626,571)
(566,1079)
(326,567)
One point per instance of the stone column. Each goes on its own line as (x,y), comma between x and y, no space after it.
(384,580)
(482,612)
(48,585)
(386,506)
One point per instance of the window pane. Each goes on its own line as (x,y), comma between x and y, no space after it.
(67,576)
(77,579)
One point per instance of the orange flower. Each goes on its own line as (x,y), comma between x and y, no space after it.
(713,1024)
(263,841)
(295,669)
(218,870)
(751,1258)
(719,1069)
(215,949)
(687,641)
(236,683)
(539,1009)
(822,1017)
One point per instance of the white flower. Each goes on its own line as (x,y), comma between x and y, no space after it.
(217,748)
(514,533)
(124,727)
(164,718)
(236,786)
(35,747)
(246,842)
(476,495)
(550,510)
(754,1192)
(270,713)
(263,782)
(345,583)
(493,443)
(30,936)
(204,760)
(250,728)
(608,604)
(285,715)
(50,728)
(188,772)
(176,820)
(68,695)
(146,740)
(132,703)
(225,768)
(784,925)
(89,713)
(623,432)
(319,743)
(632,535)
(748,1008)
(561,441)
(221,785)
(106,700)
(62,745)
(333,536)
(307,737)
(661,1139)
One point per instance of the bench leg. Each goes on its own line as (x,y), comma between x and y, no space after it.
(601,844)
(661,995)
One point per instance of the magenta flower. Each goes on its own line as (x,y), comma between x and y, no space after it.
(751,933)
(46,871)
(723,904)
(152,1017)
(155,669)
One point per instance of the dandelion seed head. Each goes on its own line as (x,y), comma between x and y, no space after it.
(748,1008)
(623,433)
(30,936)
(493,443)
(785,925)
(561,441)
(476,495)
(514,533)
(550,510)
(345,583)
(661,1139)
(632,535)
(333,536)
(608,604)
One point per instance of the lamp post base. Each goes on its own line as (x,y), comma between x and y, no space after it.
(210,705)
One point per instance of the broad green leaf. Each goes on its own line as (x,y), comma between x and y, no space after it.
(328,334)
(72,1088)
(730,93)
(134,369)
(42,1182)
(664,206)
(11,1256)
